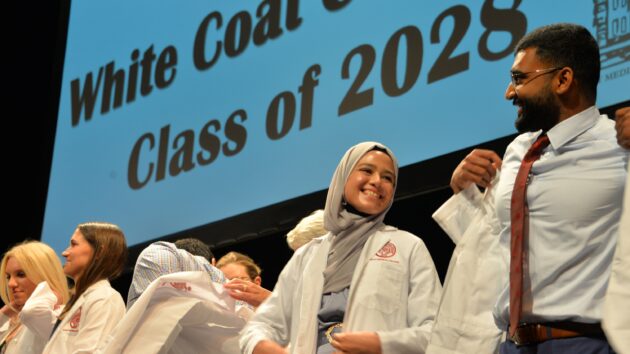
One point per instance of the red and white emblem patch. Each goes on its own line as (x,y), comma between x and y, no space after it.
(387,251)
(76,319)
(179,285)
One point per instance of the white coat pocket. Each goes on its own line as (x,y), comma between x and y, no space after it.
(382,292)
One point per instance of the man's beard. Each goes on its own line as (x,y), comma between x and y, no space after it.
(538,112)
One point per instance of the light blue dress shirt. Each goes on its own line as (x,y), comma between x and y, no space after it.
(574,196)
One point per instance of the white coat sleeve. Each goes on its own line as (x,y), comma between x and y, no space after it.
(615,323)
(39,313)
(272,320)
(455,215)
(98,319)
(422,304)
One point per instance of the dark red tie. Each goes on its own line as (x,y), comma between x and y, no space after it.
(520,225)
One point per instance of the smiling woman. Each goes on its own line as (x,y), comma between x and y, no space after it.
(24,267)
(373,282)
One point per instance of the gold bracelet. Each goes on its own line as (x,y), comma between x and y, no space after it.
(331,329)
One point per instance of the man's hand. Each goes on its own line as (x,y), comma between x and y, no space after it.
(622,124)
(479,167)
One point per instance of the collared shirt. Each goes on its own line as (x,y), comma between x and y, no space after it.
(574,197)
(161,258)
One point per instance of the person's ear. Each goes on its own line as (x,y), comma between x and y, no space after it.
(564,80)
(258,280)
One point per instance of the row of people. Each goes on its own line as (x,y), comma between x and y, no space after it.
(550,210)
(551,206)
(39,315)
(96,255)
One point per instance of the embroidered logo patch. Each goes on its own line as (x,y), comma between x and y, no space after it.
(387,251)
(179,285)
(75,320)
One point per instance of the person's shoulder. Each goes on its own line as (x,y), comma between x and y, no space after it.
(305,252)
(400,235)
(602,138)
(155,248)
(162,245)
(101,290)
(604,129)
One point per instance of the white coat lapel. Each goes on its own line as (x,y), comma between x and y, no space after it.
(312,287)
(72,320)
(377,241)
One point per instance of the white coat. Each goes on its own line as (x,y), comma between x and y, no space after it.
(182,312)
(25,342)
(88,323)
(475,277)
(615,321)
(34,333)
(394,291)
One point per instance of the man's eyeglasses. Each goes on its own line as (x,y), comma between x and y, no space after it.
(518,78)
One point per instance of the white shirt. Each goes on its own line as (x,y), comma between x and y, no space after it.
(394,292)
(574,197)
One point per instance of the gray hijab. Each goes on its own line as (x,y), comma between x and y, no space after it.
(350,231)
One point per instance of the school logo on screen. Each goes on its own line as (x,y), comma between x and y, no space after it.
(611,20)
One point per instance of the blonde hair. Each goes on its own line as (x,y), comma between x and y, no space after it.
(252,269)
(110,254)
(40,263)
(307,229)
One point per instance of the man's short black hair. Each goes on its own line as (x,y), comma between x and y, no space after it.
(195,247)
(570,45)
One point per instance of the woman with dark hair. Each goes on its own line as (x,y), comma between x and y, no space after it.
(365,287)
(97,253)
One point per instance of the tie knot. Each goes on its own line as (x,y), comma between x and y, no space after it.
(539,145)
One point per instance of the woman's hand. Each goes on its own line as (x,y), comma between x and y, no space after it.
(247,291)
(268,347)
(11,310)
(357,343)
(59,299)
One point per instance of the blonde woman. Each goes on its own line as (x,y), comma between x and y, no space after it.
(244,276)
(96,254)
(24,267)
(307,229)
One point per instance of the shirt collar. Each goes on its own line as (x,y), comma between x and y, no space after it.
(573,126)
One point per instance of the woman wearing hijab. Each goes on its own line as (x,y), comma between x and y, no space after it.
(365,287)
